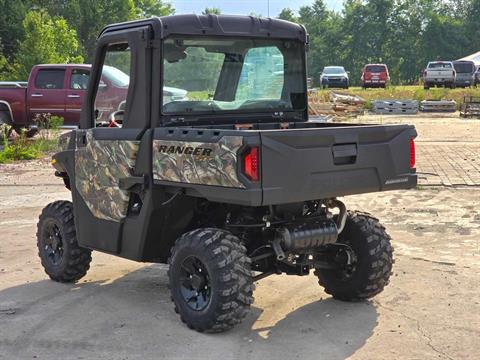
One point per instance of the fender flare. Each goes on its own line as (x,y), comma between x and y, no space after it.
(5,107)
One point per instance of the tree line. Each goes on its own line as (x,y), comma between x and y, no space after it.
(404,34)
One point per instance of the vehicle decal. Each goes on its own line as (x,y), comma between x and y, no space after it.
(98,167)
(198,162)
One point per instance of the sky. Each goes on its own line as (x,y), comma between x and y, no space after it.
(245,7)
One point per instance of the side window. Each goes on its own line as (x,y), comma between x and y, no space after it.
(79,79)
(113,87)
(50,79)
(262,75)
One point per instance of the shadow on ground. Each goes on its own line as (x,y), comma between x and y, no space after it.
(131,317)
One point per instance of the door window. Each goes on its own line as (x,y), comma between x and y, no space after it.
(112,89)
(50,79)
(79,79)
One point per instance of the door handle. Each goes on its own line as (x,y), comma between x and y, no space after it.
(37,95)
(344,154)
(73,96)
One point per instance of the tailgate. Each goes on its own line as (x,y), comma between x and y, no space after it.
(308,164)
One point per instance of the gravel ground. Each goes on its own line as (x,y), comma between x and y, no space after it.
(122,309)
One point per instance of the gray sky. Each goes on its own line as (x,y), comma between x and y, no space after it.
(245,6)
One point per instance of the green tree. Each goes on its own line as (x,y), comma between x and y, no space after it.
(287,14)
(12,14)
(149,8)
(212,10)
(46,40)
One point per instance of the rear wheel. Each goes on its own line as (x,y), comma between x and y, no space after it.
(368,249)
(210,280)
(61,257)
(426,86)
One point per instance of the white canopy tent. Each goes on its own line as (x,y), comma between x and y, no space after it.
(474,57)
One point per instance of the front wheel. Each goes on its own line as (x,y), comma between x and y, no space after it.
(367,245)
(210,280)
(61,257)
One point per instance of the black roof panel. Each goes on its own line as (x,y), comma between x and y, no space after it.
(216,25)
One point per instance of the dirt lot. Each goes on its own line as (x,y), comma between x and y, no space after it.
(122,310)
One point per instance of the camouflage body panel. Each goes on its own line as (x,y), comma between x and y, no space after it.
(98,167)
(63,141)
(198,162)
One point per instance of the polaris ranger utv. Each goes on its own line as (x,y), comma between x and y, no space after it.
(227,184)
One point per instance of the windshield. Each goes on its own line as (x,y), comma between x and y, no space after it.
(333,70)
(440,65)
(234,75)
(464,68)
(117,77)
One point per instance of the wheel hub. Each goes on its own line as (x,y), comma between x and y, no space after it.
(53,243)
(195,284)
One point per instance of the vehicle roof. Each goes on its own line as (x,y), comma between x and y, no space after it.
(375,64)
(216,25)
(63,65)
(333,67)
(463,62)
(440,61)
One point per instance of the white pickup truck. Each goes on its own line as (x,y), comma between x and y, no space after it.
(439,73)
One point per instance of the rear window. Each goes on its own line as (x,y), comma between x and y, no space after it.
(375,68)
(440,65)
(50,79)
(467,68)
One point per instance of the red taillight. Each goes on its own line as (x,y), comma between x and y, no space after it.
(250,164)
(412,153)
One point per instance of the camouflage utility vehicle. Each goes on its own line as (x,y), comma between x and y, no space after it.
(227,183)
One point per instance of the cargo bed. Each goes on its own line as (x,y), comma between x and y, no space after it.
(302,161)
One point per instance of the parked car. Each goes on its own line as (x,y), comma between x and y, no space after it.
(439,73)
(60,90)
(375,75)
(465,73)
(334,76)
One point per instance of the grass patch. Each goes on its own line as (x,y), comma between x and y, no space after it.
(23,148)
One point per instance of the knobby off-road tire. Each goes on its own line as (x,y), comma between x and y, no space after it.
(373,259)
(61,257)
(216,263)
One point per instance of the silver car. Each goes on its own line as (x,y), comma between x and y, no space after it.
(334,76)
(465,73)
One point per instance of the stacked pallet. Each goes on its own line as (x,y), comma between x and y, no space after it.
(438,106)
(395,107)
(470,107)
(340,105)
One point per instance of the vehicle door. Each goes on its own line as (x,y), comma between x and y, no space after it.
(105,157)
(46,94)
(75,94)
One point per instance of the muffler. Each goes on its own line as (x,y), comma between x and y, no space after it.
(303,238)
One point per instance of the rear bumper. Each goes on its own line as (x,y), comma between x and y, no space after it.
(439,81)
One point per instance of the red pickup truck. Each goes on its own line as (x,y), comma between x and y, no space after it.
(58,90)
